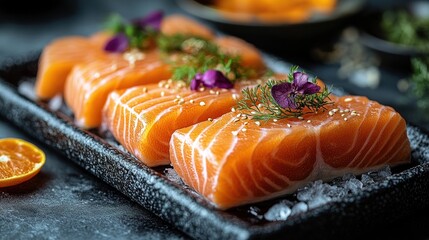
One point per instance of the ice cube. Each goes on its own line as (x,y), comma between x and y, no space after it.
(298,208)
(366,180)
(55,103)
(278,212)
(255,211)
(385,172)
(172,175)
(354,185)
(26,88)
(318,201)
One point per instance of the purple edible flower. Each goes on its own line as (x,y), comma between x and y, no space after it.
(211,79)
(196,81)
(285,93)
(152,20)
(118,43)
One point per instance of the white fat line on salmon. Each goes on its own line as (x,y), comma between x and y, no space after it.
(206,153)
(381,134)
(368,137)
(392,145)
(188,142)
(251,168)
(222,159)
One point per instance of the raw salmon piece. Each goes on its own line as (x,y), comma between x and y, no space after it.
(233,162)
(143,118)
(178,24)
(60,56)
(249,55)
(89,84)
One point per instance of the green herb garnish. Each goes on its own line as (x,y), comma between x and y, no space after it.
(293,97)
(420,79)
(403,28)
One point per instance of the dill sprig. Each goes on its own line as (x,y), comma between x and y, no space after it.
(259,102)
(405,28)
(421,82)
(192,55)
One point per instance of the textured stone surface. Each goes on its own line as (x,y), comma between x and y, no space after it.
(64,201)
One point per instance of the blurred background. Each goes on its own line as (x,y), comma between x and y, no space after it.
(350,47)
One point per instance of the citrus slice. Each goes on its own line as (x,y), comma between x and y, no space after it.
(19,161)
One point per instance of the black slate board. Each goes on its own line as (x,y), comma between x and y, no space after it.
(407,190)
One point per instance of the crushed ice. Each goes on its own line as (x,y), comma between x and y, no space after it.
(318,193)
(26,88)
(172,175)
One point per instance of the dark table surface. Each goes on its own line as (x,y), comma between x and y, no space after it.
(64,201)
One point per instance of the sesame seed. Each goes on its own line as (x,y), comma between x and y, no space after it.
(345,119)
(239,115)
(331,113)
(210,119)
(232,109)
(236,119)
(358,114)
(309,121)
(235,133)
(235,96)
(342,115)
(300,118)
(162,94)
(202,103)
(341,111)
(192,101)
(347,110)
(145,90)
(212,92)
(245,123)
(161,84)
(275,120)
(244,117)
(217,93)
(181,101)
(170,81)
(176,100)
(178,96)
(260,105)
(201,89)
(253,112)
(258,123)
(114,67)
(348,99)
(353,114)
(288,125)
(243,129)
(167,86)
(335,110)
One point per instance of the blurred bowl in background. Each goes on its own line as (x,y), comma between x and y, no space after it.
(393,54)
(278,35)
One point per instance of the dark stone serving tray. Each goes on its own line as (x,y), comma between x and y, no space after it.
(406,190)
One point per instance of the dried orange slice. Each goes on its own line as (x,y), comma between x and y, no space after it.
(19,161)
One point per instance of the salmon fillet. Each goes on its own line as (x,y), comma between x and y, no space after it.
(143,118)
(233,162)
(89,84)
(60,56)
(249,56)
(179,24)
